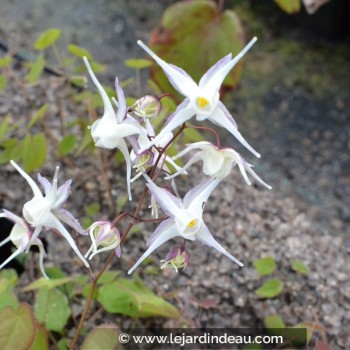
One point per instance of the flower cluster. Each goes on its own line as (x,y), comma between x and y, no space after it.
(146,152)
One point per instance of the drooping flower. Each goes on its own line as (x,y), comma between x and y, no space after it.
(46,211)
(147,107)
(201,100)
(103,234)
(22,238)
(185,218)
(177,258)
(217,162)
(111,130)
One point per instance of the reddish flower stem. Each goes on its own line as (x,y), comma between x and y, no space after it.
(207,129)
(122,240)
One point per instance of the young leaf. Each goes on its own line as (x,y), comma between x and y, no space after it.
(79,51)
(47,38)
(35,69)
(38,115)
(265,266)
(13,149)
(298,266)
(66,145)
(270,289)
(3,82)
(44,283)
(289,6)
(274,321)
(52,309)
(34,152)
(17,328)
(138,63)
(133,298)
(40,340)
(5,61)
(8,298)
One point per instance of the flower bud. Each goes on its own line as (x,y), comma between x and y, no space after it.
(143,161)
(178,258)
(103,234)
(147,107)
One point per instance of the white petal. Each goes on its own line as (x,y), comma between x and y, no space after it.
(169,233)
(181,81)
(124,149)
(11,257)
(42,255)
(182,170)
(108,108)
(51,196)
(30,181)
(121,114)
(207,238)
(220,118)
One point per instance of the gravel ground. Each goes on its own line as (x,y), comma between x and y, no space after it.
(305,216)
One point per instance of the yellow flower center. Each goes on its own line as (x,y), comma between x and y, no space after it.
(202,102)
(192,223)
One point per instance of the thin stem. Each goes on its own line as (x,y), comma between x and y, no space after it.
(122,240)
(207,129)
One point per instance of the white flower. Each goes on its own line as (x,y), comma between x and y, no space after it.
(217,162)
(185,218)
(110,130)
(102,233)
(46,211)
(22,237)
(201,100)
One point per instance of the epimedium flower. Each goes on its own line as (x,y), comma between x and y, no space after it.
(102,233)
(177,258)
(217,162)
(111,130)
(185,218)
(201,100)
(46,211)
(147,107)
(22,238)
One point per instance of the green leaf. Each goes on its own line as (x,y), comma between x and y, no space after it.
(298,266)
(34,152)
(47,38)
(40,340)
(52,309)
(103,337)
(17,328)
(270,289)
(92,209)
(13,149)
(265,266)
(289,6)
(138,63)
(5,126)
(133,298)
(40,113)
(63,344)
(44,283)
(8,279)
(3,82)
(108,276)
(5,61)
(8,298)
(194,36)
(274,321)
(35,69)
(66,145)
(79,51)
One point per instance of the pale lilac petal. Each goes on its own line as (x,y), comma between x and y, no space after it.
(180,80)
(13,217)
(108,108)
(170,204)
(53,222)
(207,238)
(196,198)
(45,183)
(212,85)
(118,251)
(191,146)
(62,195)
(214,70)
(163,226)
(42,255)
(124,149)
(182,170)
(121,114)
(220,118)
(182,113)
(168,234)
(68,218)
(32,184)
